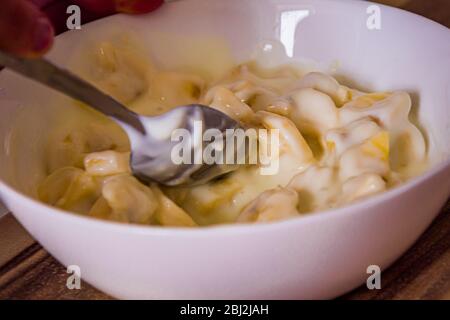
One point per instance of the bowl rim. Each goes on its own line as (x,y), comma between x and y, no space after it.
(238,228)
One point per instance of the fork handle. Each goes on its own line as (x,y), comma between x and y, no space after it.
(69,84)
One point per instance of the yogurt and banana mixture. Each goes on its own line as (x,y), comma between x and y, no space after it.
(337,145)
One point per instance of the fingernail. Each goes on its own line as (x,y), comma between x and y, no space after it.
(42,35)
(137,6)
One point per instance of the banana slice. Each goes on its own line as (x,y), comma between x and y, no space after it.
(327,85)
(167,90)
(130,199)
(392,113)
(291,140)
(340,139)
(361,186)
(168,213)
(271,205)
(70,189)
(316,187)
(119,71)
(371,156)
(107,163)
(368,99)
(224,100)
(314,111)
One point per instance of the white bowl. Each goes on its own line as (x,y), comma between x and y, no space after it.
(321,255)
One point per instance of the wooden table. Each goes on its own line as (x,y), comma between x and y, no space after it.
(27,271)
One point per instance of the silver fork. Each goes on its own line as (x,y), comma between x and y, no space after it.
(150,137)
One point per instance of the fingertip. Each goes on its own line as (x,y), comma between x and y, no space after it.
(24,29)
(42,37)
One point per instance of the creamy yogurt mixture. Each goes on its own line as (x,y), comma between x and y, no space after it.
(337,144)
